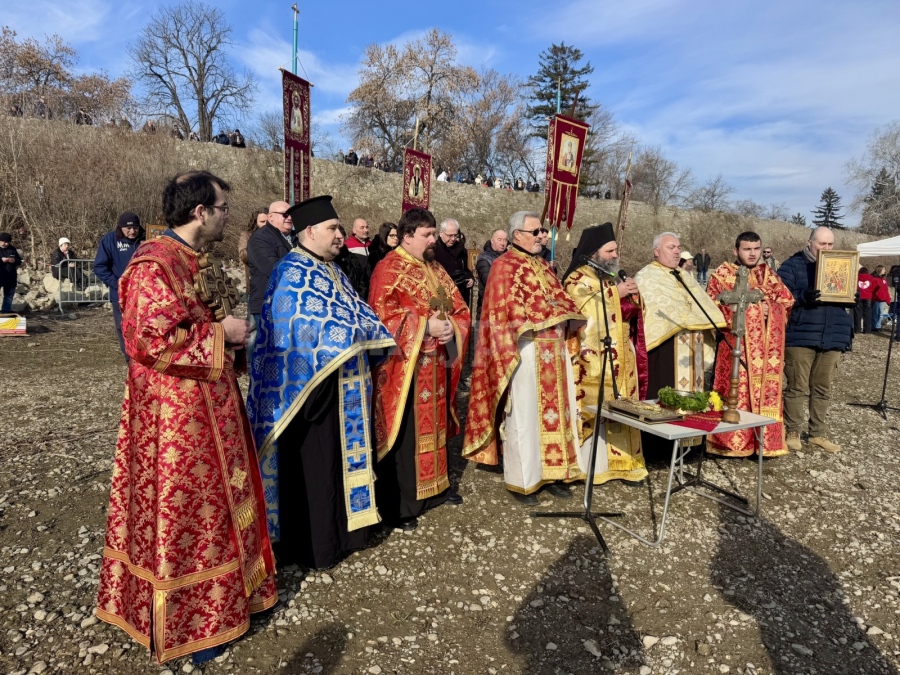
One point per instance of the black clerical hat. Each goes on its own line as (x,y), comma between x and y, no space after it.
(311,212)
(592,240)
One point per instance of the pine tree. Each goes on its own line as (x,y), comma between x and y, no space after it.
(884,186)
(827,214)
(799,219)
(558,67)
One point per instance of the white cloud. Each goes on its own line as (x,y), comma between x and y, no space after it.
(75,20)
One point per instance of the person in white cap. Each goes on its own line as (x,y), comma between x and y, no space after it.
(687,263)
(66,270)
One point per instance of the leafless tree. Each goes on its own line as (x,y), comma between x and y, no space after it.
(267,130)
(181,59)
(711,196)
(778,211)
(658,180)
(876,175)
(748,207)
(421,81)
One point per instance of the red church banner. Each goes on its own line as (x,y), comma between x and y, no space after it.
(565,149)
(416,180)
(295,97)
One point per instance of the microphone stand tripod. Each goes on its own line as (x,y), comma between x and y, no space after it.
(587,515)
(882,407)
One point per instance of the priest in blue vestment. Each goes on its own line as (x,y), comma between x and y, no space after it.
(310,398)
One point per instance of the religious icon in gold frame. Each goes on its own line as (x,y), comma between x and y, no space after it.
(155,231)
(836,275)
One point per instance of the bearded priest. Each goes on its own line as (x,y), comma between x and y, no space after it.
(594,270)
(415,387)
(310,394)
(762,350)
(522,400)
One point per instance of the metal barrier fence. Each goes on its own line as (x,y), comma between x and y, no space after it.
(78,284)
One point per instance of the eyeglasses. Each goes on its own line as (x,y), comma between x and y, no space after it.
(224,207)
(452,236)
(533,233)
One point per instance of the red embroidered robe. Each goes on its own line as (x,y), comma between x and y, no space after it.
(187,555)
(523,295)
(400,291)
(762,349)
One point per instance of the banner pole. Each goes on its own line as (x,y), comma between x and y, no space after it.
(296,14)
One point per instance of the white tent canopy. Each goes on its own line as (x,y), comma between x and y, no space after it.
(879,248)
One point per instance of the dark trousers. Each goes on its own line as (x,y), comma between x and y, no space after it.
(8,293)
(862,316)
(117,318)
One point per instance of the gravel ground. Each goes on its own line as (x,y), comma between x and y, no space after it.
(811,587)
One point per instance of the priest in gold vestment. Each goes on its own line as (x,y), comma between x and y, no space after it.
(522,400)
(680,339)
(595,264)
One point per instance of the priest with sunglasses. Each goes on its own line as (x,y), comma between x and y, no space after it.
(522,401)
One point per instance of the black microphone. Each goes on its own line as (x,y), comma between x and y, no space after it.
(590,262)
(623,275)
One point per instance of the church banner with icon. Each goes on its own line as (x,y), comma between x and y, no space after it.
(295,96)
(565,149)
(416,180)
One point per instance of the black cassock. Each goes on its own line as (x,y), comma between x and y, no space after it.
(312,512)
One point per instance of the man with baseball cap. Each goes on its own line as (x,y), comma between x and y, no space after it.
(113,255)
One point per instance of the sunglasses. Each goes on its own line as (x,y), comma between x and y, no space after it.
(533,233)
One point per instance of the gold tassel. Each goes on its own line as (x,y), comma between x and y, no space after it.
(568,234)
(246,514)
(254,576)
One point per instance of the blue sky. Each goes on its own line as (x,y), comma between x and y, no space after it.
(775,95)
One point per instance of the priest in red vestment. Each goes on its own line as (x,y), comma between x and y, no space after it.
(762,351)
(523,388)
(187,556)
(415,387)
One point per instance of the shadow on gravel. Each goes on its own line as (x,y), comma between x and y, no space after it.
(570,606)
(322,648)
(769,576)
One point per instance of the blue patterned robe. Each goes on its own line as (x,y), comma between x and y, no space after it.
(312,324)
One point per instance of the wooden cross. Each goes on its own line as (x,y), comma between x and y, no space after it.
(215,288)
(441,303)
(739,298)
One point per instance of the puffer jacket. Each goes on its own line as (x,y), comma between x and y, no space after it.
(821,326)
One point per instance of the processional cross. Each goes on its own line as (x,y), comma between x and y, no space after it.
(739,298)
(441,303)
(214,288)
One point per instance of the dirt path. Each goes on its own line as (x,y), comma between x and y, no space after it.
(811,587)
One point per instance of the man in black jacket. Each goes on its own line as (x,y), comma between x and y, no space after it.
(817,334)
(451,253)
(269,244)
(10,261)
(493,249)
(701,265)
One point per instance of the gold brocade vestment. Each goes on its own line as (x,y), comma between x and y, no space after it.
(187,555)
(624,458)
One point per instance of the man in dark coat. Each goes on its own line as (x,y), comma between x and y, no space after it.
(10,261)
(701,265)
(452,255)
(269,244)
(113,255)
(493,249)
(816,336)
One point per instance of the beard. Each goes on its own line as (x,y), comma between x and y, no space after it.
(428,254)
(611,266)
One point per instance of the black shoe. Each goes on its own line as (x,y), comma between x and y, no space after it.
(454,498)
(559,490)
(408,524)
(633,483)
(527,500)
